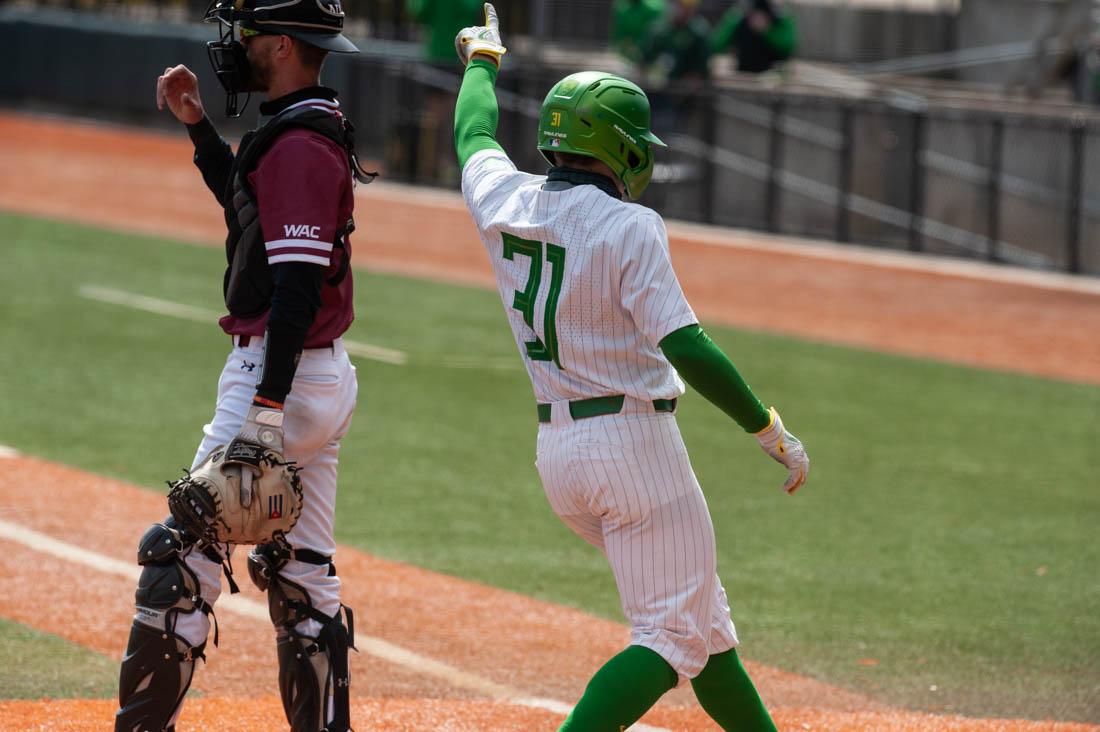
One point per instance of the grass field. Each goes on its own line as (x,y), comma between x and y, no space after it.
(946,539)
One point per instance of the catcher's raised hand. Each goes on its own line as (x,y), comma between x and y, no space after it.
(481,39)
(178,89)
(786,449)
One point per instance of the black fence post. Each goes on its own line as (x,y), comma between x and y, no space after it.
(374,16)
(775,163)
(709,107)
(400,27)
(409,135)
(1076,190)
(844,174)
(916,191)
(993,189)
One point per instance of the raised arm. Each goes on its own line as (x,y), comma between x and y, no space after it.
(782,34)
(476,112)
(178,89)
(722,35)
(213,157)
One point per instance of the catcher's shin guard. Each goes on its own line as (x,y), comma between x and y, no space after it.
(159,664)
(314,677)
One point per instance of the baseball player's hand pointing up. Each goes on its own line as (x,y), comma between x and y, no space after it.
(787,449)
(481,39)
(178,87)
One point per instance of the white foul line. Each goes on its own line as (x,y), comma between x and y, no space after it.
(202,315)
(243,606)
(8,452)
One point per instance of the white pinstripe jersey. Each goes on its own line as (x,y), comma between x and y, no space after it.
(585,279)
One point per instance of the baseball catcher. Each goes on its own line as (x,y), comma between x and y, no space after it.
(265,470)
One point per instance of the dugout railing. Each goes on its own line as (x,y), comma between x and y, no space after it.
(1001,187)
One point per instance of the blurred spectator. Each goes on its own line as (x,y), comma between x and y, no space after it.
(426,150)
(632,23)
(760,35)
(679,49)
(441,21)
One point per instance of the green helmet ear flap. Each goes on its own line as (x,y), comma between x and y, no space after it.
(638,172)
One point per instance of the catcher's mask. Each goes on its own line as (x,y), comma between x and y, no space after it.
(316,22)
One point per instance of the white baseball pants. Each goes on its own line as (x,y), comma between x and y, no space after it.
(318,414)
(624,483)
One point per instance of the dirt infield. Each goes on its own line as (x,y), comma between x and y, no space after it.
(470,657)
(437,652)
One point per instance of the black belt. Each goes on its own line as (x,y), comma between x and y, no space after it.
(244,340)
(598,406)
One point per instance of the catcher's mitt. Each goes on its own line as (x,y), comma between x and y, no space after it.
(211,505)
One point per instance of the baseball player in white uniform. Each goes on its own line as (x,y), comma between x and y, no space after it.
(606,335)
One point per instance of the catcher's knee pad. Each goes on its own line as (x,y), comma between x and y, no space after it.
(314,678)
(159,664)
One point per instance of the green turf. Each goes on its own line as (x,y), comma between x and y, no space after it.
(35,665)
(947,533)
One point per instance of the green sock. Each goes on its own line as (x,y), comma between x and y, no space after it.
(621,692)
(727,694)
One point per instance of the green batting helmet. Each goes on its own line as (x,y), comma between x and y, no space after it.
(605,117)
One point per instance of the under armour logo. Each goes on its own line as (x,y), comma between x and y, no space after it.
(247,365)
(342,682)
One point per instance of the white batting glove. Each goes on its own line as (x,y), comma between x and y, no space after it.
(786,449)
(263,426)
(483,39)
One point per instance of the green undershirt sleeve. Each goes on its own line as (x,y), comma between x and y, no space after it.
(782,35)
(476,111)
(710,372)
(722,35)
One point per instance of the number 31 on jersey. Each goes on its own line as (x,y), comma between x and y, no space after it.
(524,301)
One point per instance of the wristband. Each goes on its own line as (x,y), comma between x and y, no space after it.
(264,402)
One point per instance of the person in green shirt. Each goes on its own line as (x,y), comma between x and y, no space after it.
(441,19)
(760,35)
(632,23)
(679,49)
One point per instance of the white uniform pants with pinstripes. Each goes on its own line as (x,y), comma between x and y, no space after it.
(624,483)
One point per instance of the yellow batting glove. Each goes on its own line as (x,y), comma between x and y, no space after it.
(481,39)
(785,449)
